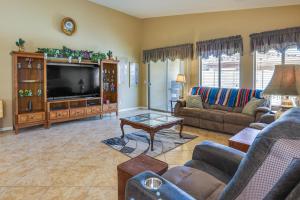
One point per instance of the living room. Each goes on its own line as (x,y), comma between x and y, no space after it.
(149,99)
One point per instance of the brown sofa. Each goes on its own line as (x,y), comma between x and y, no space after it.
(217,117)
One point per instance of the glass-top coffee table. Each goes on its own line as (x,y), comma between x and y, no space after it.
(151,123)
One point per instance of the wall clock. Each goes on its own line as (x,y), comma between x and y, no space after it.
(68,26)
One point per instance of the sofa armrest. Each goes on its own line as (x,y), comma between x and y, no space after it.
(178,105)
(267,118)
(219,156)
(261,111)
(135,189)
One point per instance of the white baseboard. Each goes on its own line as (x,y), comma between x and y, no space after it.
(6,129)
(133,108)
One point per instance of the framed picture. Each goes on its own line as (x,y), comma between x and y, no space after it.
(123,68)
(68,26)
(133,74)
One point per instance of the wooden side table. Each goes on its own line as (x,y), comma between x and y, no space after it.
(135,166)
(243,140)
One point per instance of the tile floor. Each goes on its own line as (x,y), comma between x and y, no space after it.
(68,161)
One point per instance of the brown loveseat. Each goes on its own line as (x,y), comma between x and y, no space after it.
(218,117)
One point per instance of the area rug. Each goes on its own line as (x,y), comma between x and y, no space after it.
(134,144)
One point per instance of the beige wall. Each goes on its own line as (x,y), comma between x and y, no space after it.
(101,28)
(164,31)
(38,22)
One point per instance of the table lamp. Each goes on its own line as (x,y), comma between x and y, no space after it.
(285,82)
(181,79)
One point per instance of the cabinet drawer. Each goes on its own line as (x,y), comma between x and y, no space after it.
(32,117)
(113,107)
(110,107)
(105,107)
(59,114)
(77,112)
(93,110)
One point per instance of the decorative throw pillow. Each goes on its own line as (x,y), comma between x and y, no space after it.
(194,101)
(251,106)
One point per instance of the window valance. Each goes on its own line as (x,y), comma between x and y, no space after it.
(277,39)
(182,52)
(217,47)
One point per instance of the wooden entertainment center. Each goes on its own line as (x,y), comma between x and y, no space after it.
(31,105)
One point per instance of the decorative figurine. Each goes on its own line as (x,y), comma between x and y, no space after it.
(112,87)
(29,106)
(39,92)
(39,66)
(29,60)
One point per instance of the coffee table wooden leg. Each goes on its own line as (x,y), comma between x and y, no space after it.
(151,140)
(122,129)
(181,127)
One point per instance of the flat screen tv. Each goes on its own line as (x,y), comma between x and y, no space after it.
(72,81)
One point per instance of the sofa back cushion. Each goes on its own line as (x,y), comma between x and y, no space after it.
(194,101)
(229,97)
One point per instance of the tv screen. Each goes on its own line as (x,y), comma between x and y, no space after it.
(72,80)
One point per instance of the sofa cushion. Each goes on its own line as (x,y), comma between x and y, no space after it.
(195,182)
(204,166)
(212,115)
(251,106)
(238,118)
(190,112)
(194,101)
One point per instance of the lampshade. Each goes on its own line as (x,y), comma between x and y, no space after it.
(285,81)
(1,109)
(180,78)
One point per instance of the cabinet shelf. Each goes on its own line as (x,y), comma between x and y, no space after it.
(30,81)
(34,68)
(32,112)
(28,97)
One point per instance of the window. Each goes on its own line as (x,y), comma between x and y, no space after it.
(265,65)
(210,72)
(292,56)
(221,72)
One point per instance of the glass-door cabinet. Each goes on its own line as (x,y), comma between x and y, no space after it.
(29,89)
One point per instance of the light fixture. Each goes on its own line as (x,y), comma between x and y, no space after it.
(285,82)
(181,79)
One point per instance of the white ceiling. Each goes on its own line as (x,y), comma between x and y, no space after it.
(157,8)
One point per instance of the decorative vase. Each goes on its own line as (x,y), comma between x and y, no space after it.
(98,61)
(21,93)
(79,59)
(29,106)
(70,59)
(19,65)
(21,48)
(45,56)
